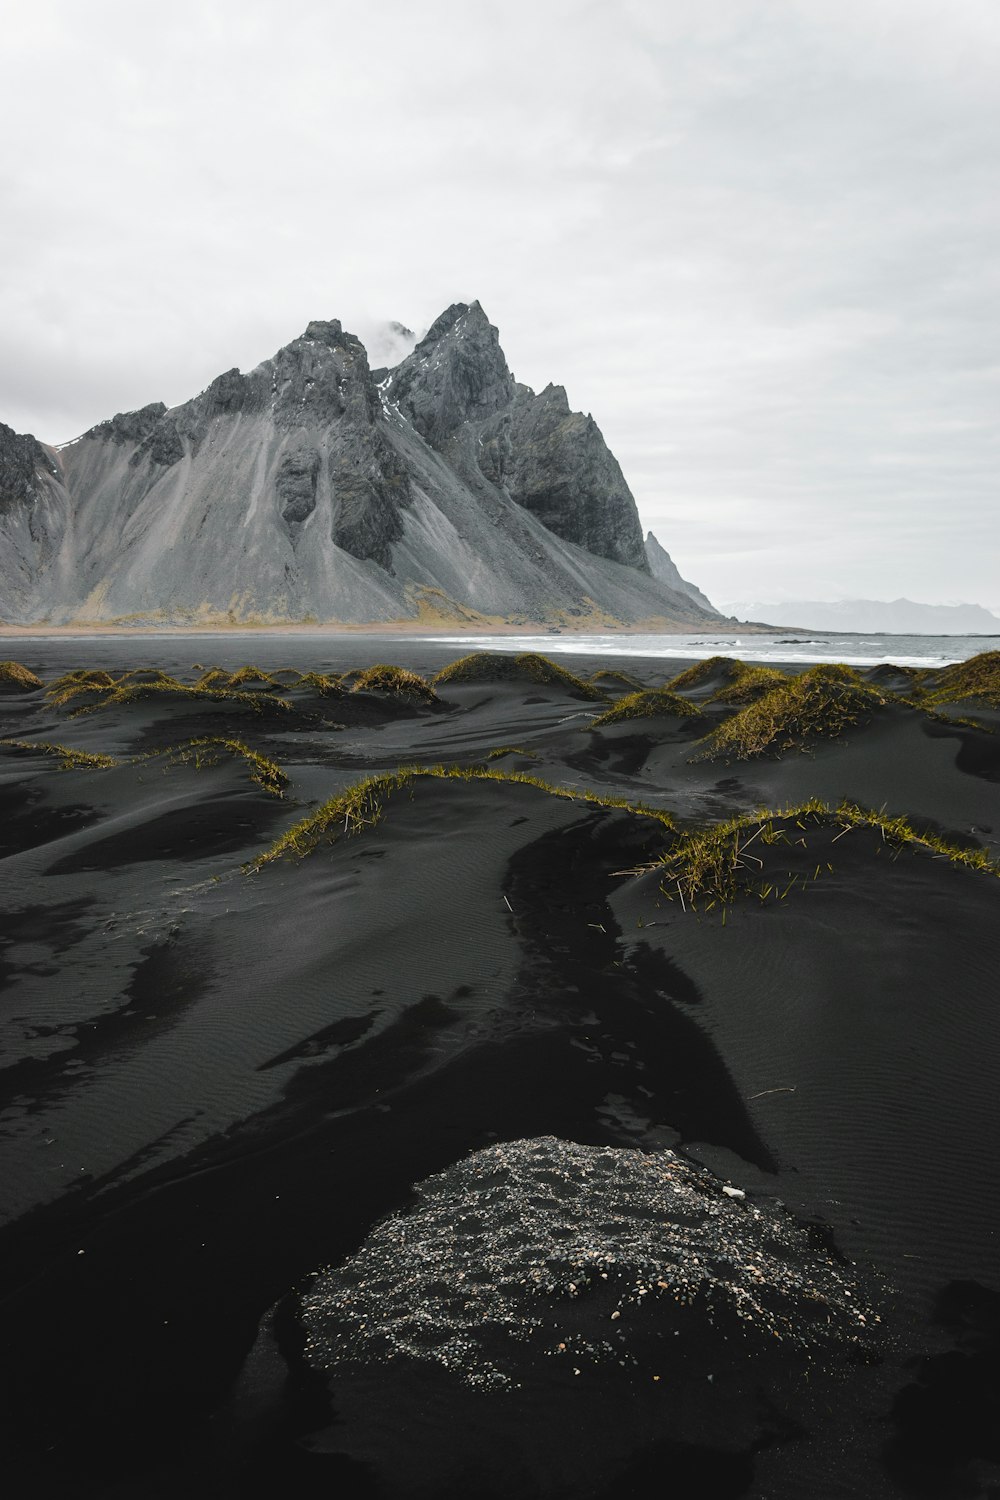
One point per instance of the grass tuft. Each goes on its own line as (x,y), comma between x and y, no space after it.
(318,682)
(200,753)
(384,678)
(209,751)
(14,675)
(714,866)
(821,703)
(495,666)
(244,675)
(979,677)
(696,674)
(69,759)
(646,704)
(102,690)
(750,683)
(361,806)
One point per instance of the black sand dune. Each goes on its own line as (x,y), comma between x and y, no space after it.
(221,1073)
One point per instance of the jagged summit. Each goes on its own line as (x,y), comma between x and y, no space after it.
(313,487)
(456,374)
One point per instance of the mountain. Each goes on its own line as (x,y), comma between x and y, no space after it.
(663,567)
(876,616)
(313,489)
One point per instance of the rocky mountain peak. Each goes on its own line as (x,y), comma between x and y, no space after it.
(303,487)
(324,330)
(456,374)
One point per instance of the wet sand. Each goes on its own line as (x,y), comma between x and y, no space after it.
(215,1082)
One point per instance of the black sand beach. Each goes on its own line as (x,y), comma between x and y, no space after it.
(228,1063)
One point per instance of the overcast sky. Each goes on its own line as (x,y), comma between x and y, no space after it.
(757,239)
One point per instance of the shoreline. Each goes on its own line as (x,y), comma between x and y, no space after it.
(395,628)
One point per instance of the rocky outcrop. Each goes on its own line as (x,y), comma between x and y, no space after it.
(20,459)
(152,429)
(560,468)
(553,462)
(308,488)
(535,1250)
(663,567)
(456,374)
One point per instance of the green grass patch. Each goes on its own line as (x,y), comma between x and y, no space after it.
(495,666)
(648,703)
(714,866)
(14,675)
(384,678)
(361,806)
(820,703)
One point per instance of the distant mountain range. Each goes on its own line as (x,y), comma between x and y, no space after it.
(878,617)
(316,489)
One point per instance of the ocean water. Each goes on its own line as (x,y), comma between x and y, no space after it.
(787,646)
(331,651)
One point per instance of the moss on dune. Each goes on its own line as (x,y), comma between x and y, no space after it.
(710,867)
(495,666)
(13,675)
(645,704)
(819,704)
(361,806)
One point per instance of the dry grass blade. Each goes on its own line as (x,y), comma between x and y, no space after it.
(14,675)
(361,806)
(494,666)
(648,703)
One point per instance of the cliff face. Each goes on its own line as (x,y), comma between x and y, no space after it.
(663,567)
(460,396)
(312,488)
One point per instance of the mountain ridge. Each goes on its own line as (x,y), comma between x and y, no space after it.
(878,616)
(312,489)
